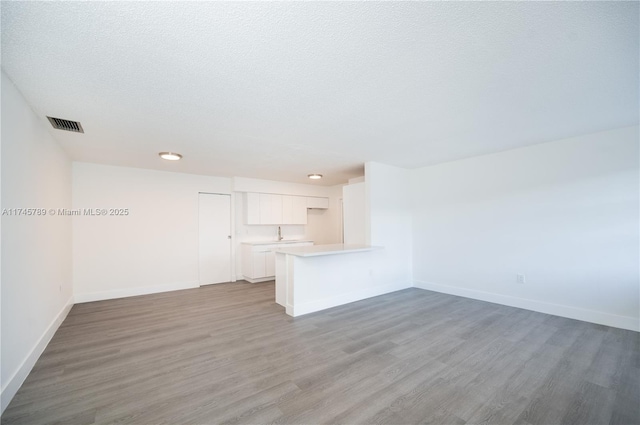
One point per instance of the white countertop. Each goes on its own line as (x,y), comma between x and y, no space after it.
(274,242)
(316,250)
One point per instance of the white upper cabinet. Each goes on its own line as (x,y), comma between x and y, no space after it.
(321,203)
(265,208)
(269,208)
(276,209)
(287,209)
(299,210)
(252,208)
(294,209)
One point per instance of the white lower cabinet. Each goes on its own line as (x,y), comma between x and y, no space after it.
(259,260)
(270,264)
(258,264)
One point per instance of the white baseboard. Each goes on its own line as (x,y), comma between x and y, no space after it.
(262,279)
(313,306)
(608,319)
(132,292)
(18,378)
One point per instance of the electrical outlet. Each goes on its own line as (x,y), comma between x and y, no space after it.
(520,278)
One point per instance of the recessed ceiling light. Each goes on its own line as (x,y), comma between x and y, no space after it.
(170,156)
(315,176)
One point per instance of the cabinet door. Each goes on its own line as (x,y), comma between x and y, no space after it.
(259,265)
(270,264)
(299,210)
(247,261)
(265,208)
(287,209)
(252,208)
(321,203)
(276,209)
(270,208)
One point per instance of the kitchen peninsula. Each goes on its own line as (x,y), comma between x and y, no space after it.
(314,278)
(258,259)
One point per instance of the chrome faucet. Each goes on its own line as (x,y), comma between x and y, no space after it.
(279,234)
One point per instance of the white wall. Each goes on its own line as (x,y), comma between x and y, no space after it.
(36,250)
(154,248)
(388,220)
(564,213)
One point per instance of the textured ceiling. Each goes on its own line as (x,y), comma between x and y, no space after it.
(280,90)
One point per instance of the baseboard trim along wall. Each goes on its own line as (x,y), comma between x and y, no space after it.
(312,307)
(132,292)
(607,319)
(18,378)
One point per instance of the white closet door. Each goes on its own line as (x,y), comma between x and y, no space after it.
(214,238)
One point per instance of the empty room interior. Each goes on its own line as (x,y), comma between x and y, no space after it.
(320,213)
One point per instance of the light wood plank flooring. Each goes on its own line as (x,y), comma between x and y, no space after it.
(228,354)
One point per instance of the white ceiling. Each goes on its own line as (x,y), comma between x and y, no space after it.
(280,90)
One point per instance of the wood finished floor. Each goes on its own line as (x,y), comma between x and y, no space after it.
(227,354)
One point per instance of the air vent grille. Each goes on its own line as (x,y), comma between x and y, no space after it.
(60,124)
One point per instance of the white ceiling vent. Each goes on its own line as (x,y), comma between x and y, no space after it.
(60,124)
